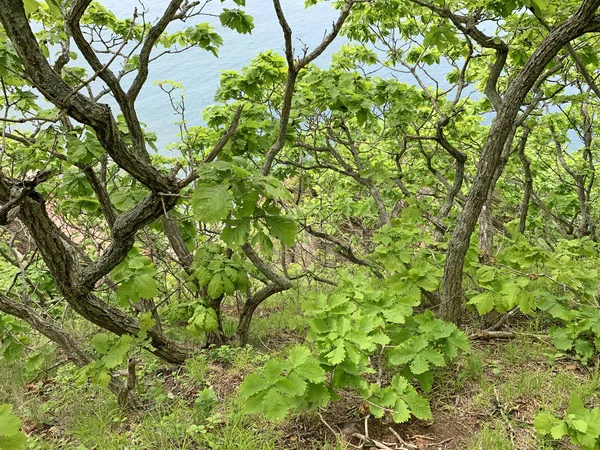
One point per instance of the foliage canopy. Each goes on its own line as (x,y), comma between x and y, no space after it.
(369,187)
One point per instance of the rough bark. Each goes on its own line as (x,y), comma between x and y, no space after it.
(583,21)
(528,187)
(64,265)
(98,116)
(77,282)
(486,233)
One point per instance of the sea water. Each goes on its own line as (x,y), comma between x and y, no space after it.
(199,71)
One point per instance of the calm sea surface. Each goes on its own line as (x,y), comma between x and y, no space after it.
(199,71)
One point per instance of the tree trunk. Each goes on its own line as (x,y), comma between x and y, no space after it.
(486,233)
(528,189)
(583,21)
(66,271)
(252,303)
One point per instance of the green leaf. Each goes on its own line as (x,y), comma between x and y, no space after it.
(457,341)
(147,322)
(9,423)
(399,356)
(283,228)
(265,242)
(31,6)
(204,319)
(252,384)
(254,404)
(116,355)
(203,275)
(215,288)
(361,116)
(275,406)
(576,405)
(337,355)
(426,381)
(387,397)
(211,203)
(228,286)
(317,395)
(399,383)
(434,357)
(312,371)
(376,410)
(292,385)
(102,378)
(419,364)
(419,406)
(486,274)
(236,232)
(298,355)
(395,315)
(559,430)
(202,35)
(484,302)
(14,442)
(544,422)
(584,349)
(593,420)
(83,151)
(126,292)
(54,7)
(380,338)
(541,4)
(237,20)
(137,287)
(560,338)
(146,286)
(579,425)
(273,370)
(401,413)
(101,342)
(526,302)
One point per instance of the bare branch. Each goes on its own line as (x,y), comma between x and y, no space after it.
(218,147)
(293,70)
(153,35)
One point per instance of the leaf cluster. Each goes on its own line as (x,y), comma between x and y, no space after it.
(581,425)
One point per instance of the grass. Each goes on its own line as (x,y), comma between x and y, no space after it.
(487,399)
(491,437)
(13,390)
(505,386)
(277,319)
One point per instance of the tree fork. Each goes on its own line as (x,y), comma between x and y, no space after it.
(583,21)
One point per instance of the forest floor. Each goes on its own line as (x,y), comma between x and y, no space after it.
(486,400)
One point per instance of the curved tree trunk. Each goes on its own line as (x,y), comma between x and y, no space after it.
(583,21)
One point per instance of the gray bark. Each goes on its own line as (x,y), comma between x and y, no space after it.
(583,21)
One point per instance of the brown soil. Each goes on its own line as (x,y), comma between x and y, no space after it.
(444,432)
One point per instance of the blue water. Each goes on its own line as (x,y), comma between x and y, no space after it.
(199,71)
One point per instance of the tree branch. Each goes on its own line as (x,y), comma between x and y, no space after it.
(19,195)
(153,35)
(293,70)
